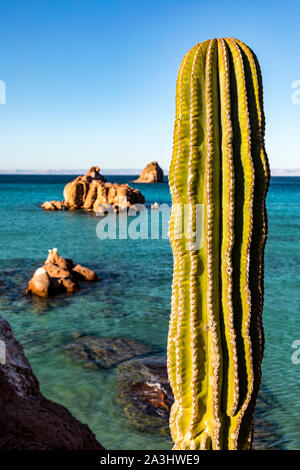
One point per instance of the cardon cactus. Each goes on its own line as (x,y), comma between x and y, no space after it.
(216,339)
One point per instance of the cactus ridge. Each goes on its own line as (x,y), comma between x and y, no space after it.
(216,341)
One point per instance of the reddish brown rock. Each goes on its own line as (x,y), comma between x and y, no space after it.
(91,195)
(56,271)
(58,275)
(146,397)
(40,283)
(93,174)
(91,192)
(145,394)
(85,274)
(54,206)
(152,173)
(76,192)
(60,261)
(119,197)
(48,206)
(28,420)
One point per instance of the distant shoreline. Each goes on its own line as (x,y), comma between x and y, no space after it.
(274,172)
(75,171)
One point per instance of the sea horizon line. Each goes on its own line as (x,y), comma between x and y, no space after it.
(117,171)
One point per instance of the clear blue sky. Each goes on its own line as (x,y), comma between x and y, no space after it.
(93,81)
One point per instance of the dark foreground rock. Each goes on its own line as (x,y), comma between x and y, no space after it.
(28,420)
(103,353)
(152,173)
(58,275)
(91,192)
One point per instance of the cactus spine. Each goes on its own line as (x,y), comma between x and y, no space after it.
(216,341)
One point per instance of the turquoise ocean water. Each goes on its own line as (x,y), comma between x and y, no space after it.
(133,300)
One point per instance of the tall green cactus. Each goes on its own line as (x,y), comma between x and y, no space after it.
(216,339)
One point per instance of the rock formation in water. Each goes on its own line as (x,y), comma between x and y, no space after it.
(145,394)
(54,206)
(91,192)
(102,353)
(58,275)
(151,174)
(28,420)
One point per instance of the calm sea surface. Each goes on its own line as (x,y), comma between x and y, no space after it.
(133,300)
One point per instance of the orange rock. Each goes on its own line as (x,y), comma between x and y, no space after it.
(152,173)
(54,205)
(58,275)
(40,283)
(91,191)
(54,258)
(75,193)
(48,206)
(69,284)
(91,196)
(55,271)
(85,273)
(59,205)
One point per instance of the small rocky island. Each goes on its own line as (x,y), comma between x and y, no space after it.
(152,173)
(92,192)
(58,275)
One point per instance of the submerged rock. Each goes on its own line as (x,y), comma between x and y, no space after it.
(265,436)
(91,192)
(152,173)
(2,286)
(103,353)
(146,397)
(28,420)
(145,394)
(58,275)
